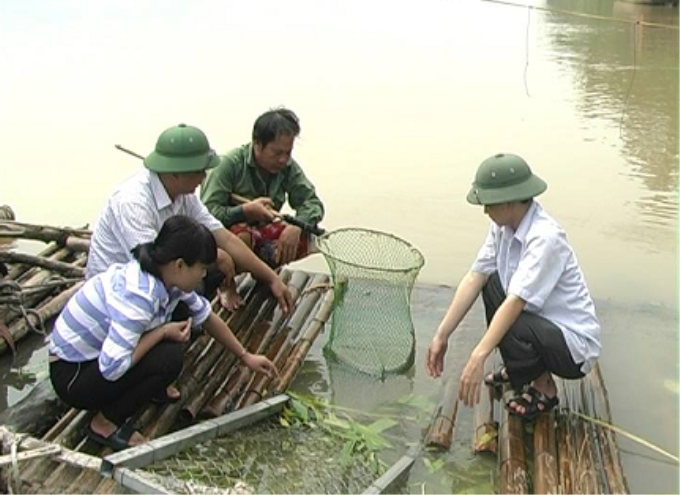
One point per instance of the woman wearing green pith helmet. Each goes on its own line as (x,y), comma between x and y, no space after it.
(538,307)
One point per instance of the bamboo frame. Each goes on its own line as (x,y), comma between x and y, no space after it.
(163,447)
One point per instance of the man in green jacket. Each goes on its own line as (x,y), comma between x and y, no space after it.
(264,173)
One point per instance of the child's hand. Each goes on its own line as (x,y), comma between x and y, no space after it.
(260,364)
(177,331)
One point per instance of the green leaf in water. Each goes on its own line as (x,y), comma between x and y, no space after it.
(301,410)
(417,401)
(381,425)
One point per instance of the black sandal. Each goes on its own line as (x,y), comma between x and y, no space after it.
(164,398)
(536,404)
(118,440)
(496,378)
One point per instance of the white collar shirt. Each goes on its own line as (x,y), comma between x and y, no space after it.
(537,264)
(134,214)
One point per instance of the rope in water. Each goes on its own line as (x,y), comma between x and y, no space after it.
(588,16)
(11,293)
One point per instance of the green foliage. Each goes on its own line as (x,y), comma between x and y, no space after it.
(361,442)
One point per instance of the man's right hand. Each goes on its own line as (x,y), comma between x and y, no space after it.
(435,356)
(259,210)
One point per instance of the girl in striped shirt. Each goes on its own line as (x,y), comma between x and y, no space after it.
(114,347)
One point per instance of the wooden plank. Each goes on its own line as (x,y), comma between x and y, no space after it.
(387,483)
(160,448)
(6,460)
(137,482)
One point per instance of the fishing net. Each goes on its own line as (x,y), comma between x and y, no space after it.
(266,458)
(373,274)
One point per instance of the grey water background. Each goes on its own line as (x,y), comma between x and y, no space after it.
(399,102)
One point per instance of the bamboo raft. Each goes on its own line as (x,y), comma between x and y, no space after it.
(212,381)
(564,453)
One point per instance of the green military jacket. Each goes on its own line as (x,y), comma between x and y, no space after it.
(238,174)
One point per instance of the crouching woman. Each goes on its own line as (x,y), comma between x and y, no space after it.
(114,348)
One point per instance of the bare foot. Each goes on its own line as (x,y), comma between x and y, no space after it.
(173,392)
(229,298)
(137,439)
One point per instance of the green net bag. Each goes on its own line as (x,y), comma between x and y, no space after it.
(373,273)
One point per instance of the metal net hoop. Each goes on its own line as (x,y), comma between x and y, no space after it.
(373,274)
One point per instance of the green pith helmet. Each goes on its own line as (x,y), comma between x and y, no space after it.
(182,148)
(504,178)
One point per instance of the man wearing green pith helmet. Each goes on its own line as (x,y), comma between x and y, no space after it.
(136,211)
(538,308)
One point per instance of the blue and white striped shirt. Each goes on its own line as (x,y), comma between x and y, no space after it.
(106,318)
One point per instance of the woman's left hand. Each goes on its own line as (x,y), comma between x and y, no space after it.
(469,386)
(260,364)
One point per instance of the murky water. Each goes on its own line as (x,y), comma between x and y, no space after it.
(399,103)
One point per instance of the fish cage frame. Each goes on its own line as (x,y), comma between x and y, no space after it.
(123,466)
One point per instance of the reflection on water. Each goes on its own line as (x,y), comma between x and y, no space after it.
(626,75)
(399,101)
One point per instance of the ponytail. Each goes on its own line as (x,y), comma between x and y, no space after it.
(144,254)
(180,237)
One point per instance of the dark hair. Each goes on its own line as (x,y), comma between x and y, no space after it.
(274,123)
(180,237)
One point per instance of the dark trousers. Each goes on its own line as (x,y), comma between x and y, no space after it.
(532,345)
(81,385)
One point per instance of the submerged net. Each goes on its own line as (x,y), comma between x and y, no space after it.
(265,458)
(373,274)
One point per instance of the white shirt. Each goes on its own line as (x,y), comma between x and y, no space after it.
(537,264)
(134,215)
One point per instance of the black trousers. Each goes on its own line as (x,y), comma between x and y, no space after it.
(532,345)
(82,385)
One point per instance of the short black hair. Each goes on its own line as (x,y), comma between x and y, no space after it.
(274,123)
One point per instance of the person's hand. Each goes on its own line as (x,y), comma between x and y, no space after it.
(259,210)
(470,383)
(287,245)
(177,331)
(282,295)
(434,363)
(260,364)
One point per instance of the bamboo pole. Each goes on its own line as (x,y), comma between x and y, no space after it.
(217,375)
(441,431)
(45,233)
(280,350)
(107,485)
(255,390)
(545,477)
(61,424)
(55,266)
(199,351)
(19,329)
(17,270)
(565,455)
(611,460)
(304,344)
(190,379)
(586,479)
(241,376)
(485,428)
(513,474)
